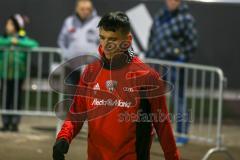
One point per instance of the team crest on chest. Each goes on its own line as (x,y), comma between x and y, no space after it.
(111,85)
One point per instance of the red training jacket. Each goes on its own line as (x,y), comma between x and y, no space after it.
(122,101)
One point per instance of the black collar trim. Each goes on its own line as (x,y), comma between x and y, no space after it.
(119,60)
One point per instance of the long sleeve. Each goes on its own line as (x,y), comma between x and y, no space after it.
(164,129)
(27,43)
(162,123)
(75,119)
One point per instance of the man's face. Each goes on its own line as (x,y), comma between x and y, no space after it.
(173,4)
(84,9)
(113,42)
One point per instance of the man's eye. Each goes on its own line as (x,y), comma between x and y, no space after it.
(112,40)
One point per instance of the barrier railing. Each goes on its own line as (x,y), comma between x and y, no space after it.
(196,98)
(195,102)
(24,80)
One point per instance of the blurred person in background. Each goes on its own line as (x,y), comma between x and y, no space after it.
(173,37)
(13,66)
(79,35)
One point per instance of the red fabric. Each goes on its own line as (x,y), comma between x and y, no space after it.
(109,137)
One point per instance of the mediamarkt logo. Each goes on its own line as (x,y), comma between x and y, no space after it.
(110,102)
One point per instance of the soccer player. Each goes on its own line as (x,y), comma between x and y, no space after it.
(121,98)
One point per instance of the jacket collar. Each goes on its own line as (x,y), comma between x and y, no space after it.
(118,61)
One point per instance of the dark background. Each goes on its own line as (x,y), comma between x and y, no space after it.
(218,25)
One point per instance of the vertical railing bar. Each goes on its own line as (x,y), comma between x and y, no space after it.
(202,101)
(176,94)
(185,121)
(193,100)
(168,79)
(50,92)
(27,84)
(168,95)
(220,102)
(39,77)
(16,82)
(210,120)
(61,96)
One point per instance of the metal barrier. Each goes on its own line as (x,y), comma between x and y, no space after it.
(37,98)
(197,97)
(198,93)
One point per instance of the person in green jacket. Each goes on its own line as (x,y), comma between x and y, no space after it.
(13,45)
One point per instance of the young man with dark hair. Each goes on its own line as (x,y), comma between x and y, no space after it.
(117,95)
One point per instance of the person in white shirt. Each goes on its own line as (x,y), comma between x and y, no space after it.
(79,34)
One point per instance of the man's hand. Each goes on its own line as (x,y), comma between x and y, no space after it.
(59,149)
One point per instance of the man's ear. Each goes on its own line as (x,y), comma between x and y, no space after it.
(130,37)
